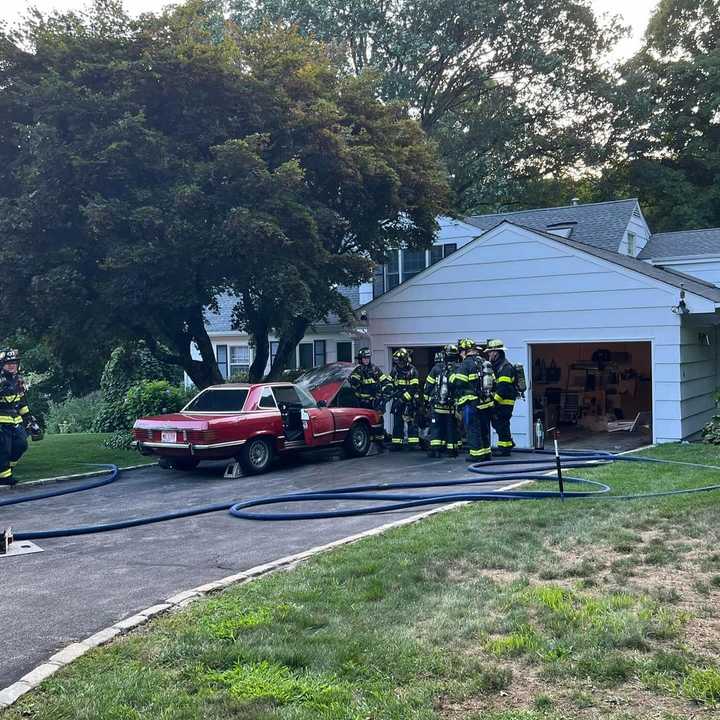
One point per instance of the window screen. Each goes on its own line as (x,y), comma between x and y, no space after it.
(413,263)
(393,270)
(239,359)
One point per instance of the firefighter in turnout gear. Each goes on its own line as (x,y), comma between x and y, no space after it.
(16,422)
(406,396)
(438,394)
(372,388)
(504,396)
(473,393)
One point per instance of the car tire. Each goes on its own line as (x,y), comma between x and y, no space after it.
(178,463)
(358,440)
(256,456)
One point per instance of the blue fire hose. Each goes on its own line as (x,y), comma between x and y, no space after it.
(542,462)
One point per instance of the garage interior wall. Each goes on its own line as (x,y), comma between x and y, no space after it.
(591,385)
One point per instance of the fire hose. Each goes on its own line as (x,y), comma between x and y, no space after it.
(542,463)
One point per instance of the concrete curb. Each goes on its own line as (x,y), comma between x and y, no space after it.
(65,478)
(77,649)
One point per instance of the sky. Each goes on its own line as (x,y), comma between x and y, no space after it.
(635,13)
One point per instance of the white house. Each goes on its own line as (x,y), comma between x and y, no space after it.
(607,319)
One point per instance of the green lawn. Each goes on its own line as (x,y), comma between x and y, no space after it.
(537,610)
(65,455)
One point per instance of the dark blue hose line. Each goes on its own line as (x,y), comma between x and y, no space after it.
(542,463)
(103,480)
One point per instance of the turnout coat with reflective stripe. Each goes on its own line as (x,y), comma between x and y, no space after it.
(433,387)
(369,382)
(13,405)
(406,383)
(464,381)
(505,392)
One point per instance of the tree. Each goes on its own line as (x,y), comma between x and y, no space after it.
(667,126)
(512,90)
(151,164)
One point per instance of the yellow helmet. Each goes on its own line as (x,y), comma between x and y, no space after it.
(465,344)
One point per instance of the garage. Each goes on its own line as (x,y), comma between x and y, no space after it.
(615,350)
(599,394)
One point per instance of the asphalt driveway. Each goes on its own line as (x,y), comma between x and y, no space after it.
(79,585)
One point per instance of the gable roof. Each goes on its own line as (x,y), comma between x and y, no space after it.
(221,321)
(682,243)
(679,280)
(601,225)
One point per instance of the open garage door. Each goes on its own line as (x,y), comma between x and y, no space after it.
(599,394)
(423,358)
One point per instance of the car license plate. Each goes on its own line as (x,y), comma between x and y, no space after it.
(167,436)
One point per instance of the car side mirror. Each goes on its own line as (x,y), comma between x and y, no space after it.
(321,403)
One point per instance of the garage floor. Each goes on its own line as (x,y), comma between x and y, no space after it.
(578,439)
(79,585)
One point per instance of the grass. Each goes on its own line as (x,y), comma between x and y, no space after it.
(496,611)
(67,454)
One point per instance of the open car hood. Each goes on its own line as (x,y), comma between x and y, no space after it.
(324,383)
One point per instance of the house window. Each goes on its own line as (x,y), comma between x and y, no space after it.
(631,244)
(393,270)
(306,355)
(344,352)
(319,349)
(378,281)
(413,263)
(222,359)
(449,249)
(436,254)
(239,359)
(273,350)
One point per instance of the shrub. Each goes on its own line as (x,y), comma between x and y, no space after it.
(153,397)
(711,432)
(128,365)
(74,414)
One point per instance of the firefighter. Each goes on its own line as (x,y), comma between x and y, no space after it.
(406,396)
(470,385)
(16,422)
(372,388)
(504,396)
(438,393)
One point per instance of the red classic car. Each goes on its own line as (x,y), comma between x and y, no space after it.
(252,423)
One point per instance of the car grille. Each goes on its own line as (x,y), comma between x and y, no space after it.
(194,437)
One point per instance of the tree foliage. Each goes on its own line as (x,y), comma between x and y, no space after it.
(667,119)
(148,165)
(512,90)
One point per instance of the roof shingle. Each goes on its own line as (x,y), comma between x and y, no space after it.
(601,225)
(682,243)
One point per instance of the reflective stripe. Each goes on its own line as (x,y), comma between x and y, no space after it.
(13,463)
(486,406)
(414,381)
(430,379)
(413,440)
(472,376)
(451,446)
(441,410)
(505,443)
(435,443)
(369,381)
(504,378)
(479,453)
(466,398)
(6,473)
(10,398)
(24,410)
(407,396)
(460,376)
(503,401)
(10,419)
(397,441)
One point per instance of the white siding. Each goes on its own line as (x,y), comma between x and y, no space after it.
(699,376)
(707,269)
(638,227)
(526,289)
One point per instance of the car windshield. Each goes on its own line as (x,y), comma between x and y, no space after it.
(231,400)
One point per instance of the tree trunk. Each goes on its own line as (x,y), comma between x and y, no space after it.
(286,346)
(262,352)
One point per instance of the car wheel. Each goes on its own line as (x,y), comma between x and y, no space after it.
(255,456)
(358,440)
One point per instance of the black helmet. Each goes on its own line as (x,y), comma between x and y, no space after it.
(364,353)
(451,351)
(9,355)
(440,357)
(401,356)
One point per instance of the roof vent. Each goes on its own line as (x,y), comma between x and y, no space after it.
(574,201)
